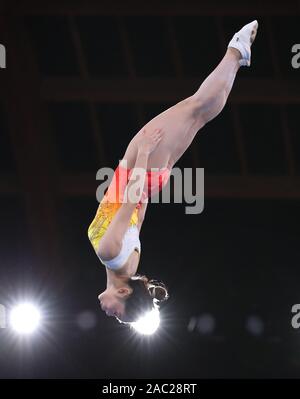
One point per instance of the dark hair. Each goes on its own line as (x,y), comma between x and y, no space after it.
(146,295)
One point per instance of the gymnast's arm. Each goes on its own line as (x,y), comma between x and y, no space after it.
(111,243)
(141,214)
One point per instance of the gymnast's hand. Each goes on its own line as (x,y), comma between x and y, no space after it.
(149,140)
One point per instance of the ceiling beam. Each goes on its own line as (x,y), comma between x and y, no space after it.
(156,90)
(156,7)
(260,187)
(215,186)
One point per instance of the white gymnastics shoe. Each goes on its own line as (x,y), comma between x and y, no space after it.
(242,41)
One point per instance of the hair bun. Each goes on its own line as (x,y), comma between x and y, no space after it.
(158,290)
(160,293)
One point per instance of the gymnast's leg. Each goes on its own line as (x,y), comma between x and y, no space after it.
(182,121)
(211,97)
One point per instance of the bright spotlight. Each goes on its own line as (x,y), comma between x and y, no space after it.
(148,323)
(25,318)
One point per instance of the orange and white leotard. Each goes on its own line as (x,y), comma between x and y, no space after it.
(112,201)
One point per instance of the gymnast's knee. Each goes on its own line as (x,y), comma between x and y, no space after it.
(198,109)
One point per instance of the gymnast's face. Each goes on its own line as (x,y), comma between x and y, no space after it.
(112,301)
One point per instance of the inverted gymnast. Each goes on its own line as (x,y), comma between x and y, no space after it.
(114,232)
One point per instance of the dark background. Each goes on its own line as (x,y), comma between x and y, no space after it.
(82,78)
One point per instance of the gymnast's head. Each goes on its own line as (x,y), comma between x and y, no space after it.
(137,296)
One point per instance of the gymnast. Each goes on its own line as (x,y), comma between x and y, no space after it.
(114,231)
